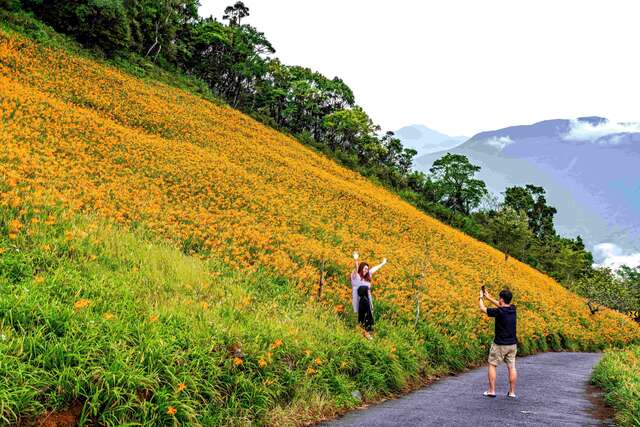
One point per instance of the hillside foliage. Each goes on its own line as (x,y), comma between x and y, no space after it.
(96,140)
(82,138)
(235,62)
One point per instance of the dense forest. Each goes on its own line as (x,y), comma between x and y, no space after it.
(238,63)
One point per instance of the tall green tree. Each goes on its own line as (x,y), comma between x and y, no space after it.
(531,200)
(510,232)
(300,99)
(232,59)
(395,155)
(458,189)
(12,5)
(234,14)
(352,129)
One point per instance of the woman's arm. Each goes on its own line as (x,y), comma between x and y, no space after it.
(355,258)
(378,267)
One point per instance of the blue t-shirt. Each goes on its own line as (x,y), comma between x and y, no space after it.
(505,332)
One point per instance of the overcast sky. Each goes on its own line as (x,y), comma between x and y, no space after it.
(464,66)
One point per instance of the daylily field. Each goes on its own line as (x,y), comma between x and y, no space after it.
(81,138)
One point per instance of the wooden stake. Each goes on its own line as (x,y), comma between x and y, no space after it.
(321,283)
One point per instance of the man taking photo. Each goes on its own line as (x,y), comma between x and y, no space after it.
(504,346)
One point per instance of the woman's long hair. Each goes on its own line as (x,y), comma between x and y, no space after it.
(361,267)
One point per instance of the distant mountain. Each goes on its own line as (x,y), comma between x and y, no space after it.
(589,166)
(425,140)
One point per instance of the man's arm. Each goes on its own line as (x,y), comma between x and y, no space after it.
(491,299)
(481,304)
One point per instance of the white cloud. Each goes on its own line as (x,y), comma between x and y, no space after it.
(585,131)
(500,142)
(612,256)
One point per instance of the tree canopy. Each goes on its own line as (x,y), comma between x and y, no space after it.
(456,186)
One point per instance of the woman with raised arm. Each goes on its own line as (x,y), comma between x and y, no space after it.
(361,292)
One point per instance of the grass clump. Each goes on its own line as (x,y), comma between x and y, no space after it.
(618,373)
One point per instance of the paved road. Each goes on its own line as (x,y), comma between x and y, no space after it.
(553,390)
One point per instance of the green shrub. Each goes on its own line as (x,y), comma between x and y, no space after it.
(617,374)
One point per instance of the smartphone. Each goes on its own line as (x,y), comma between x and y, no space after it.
(483,291)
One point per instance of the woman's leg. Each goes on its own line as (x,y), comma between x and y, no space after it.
(370,320)
(362,313)
(367,315)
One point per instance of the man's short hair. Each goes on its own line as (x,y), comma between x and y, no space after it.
(506,296)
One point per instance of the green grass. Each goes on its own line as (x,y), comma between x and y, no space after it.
(618,373)
(114,320)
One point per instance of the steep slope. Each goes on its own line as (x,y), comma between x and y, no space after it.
(88,138)
(210,177)
(587,165)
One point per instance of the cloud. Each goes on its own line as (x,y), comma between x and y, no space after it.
(581,130)
(499,142)
(612,256)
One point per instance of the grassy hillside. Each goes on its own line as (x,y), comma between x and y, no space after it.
(618,373)
(245,200)
(103,325)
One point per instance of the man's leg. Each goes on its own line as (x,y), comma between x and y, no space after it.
(510,360)
(493,361)
(491,376)
(513,377)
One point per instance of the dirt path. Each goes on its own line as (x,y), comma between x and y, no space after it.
(553,390)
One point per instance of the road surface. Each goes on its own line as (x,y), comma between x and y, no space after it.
(553,390)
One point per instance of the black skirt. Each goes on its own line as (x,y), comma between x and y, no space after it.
(365,316)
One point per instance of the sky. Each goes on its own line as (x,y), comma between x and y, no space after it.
(464,66)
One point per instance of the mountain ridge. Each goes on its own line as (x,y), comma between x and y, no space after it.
(585,164)
(426,140)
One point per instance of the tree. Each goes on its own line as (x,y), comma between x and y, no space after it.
(248,65)
(100,24)
(612,289)
(457,187)
(157,26)
(353,130)
(531,200)
(300,99)
(631,278)
(231,59)
(396,156)
(235,13)
(510,232)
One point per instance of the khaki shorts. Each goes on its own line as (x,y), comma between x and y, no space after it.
(503,353)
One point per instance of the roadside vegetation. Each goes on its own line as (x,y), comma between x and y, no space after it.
(618,375)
